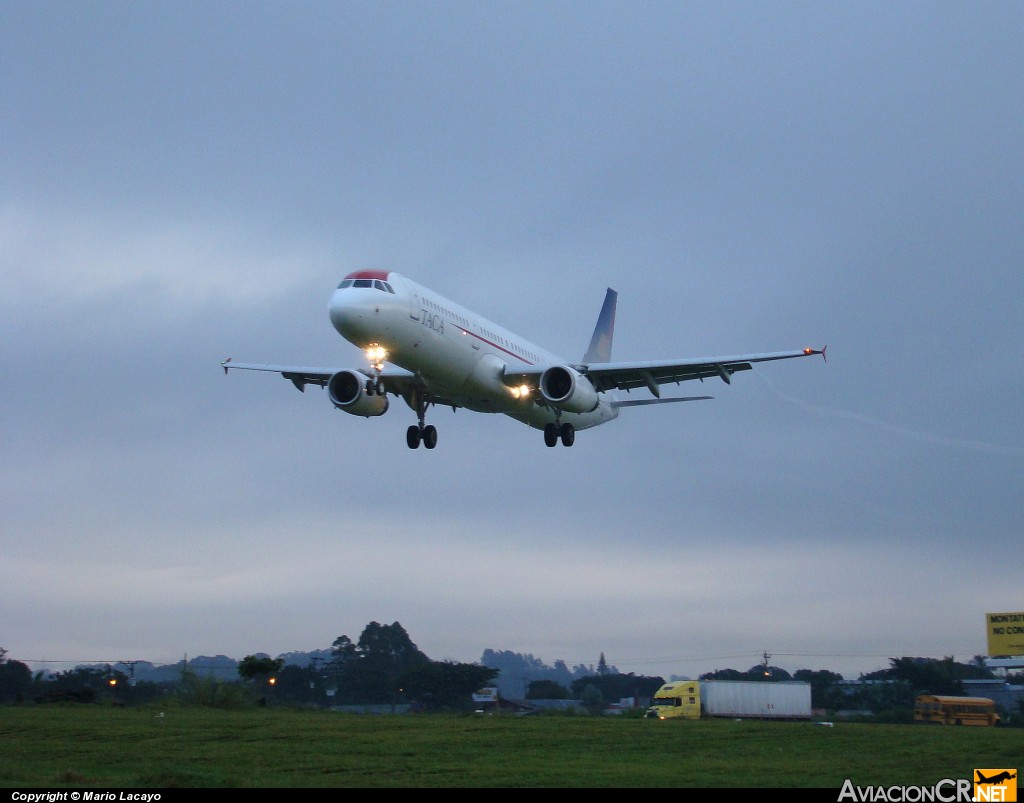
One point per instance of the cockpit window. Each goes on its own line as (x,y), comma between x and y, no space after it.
(376,284)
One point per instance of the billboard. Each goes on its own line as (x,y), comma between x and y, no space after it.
(1005,634)
(488,694)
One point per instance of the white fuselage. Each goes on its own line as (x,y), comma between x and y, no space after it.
(459,355)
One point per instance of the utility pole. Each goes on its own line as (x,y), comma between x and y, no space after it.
(314,674)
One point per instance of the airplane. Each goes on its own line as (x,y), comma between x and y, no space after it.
(431,351)
(998,778)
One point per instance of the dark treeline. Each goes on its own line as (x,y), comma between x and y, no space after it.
(384,667)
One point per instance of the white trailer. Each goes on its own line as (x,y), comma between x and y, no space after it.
(753,698)
(693,699)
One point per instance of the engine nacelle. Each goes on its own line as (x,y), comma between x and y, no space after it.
(347,390)
(567,389)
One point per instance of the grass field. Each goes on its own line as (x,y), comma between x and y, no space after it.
(92,746)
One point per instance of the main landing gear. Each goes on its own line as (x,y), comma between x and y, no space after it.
(554,432)
(426,435)
(421,433)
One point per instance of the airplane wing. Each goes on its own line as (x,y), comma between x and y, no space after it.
(651,375)
(643,402)
(396,380)
(628,376)
(300,376)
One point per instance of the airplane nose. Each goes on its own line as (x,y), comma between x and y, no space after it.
(350,314)
(340,311)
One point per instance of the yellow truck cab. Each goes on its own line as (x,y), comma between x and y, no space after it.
(680,698)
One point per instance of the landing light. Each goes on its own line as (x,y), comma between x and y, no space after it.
(376,354)
(521,392)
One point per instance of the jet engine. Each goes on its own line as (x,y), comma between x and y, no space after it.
(348,392)
(567,389)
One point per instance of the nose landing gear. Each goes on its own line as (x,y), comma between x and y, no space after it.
(422,433)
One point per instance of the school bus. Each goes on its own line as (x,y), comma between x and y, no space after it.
(943,710)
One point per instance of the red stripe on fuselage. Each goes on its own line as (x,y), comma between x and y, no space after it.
(370,274)
(493,344)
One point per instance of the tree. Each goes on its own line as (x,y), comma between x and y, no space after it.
(254,667)
(762,672)
(895,688)
(825,690)
(880,695)
(931,675)
(15,680)
(592,699)
(445,685)
(389,646)
(518,670)
(602,665)
(297,684)
(616,686)
(724,674)
(83,684)
(546,690)
(259,670)
(368,671)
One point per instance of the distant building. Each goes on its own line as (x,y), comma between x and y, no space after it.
(1000,692)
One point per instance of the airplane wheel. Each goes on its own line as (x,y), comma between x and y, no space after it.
(430,436)
(550,435)
(412,437)
(568,435)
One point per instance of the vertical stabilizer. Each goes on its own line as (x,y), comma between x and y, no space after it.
(601,343)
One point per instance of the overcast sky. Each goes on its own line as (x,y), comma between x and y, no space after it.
(184,182)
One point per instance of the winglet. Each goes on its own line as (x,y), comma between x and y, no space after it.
(820,351)
(224,365)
